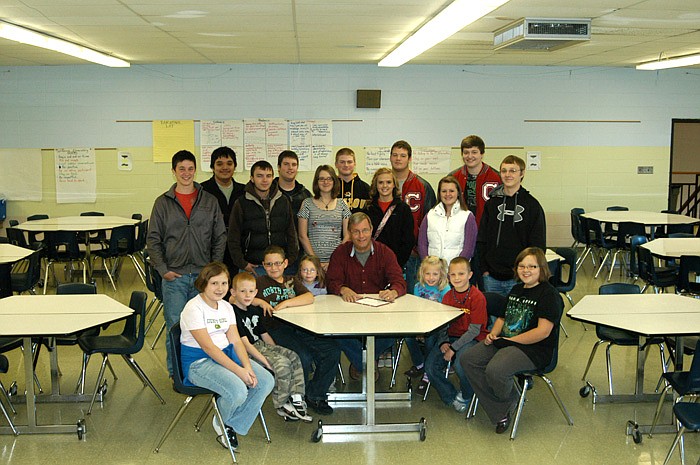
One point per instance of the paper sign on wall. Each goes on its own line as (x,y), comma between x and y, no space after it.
(76,175)
(171,136)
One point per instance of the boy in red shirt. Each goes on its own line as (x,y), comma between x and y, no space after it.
(451,341)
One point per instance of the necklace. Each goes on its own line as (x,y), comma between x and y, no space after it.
(326,204)
(466,295)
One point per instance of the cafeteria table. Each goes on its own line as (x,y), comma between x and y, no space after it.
(648,315)
(331,316)
(673,248)
(9,254)
(31,316)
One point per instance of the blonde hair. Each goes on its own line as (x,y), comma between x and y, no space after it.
(432,260)
(320,274)
(242,277)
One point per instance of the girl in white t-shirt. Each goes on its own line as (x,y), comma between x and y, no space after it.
(213,355)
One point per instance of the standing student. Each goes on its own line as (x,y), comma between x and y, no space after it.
(186,231)
(476,178)
(213,356)
(323,218)
(226,189)
(260,218)
(391,215)
(513,220)
(354,191)
(449,229)
(286,182)
(417,193)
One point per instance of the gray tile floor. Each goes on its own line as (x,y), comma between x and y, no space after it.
(126,427)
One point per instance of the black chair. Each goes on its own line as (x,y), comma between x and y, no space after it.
(688,415)
(4,366)
(610,231)
(635,242)
(569,262)
(689,267)
(526,378)
(601,242)
(154,283)
(683,383)
(93,237)
(588,238)
(626,230)
(618,337)
(657,277)
(16,237)
(63,247)
(27,280)
(36,236)
(191,392)
(129,342)
(576,227)
(13,223)
(140,244)
(121,244)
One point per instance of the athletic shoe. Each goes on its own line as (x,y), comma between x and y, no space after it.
(459,404)
(422,386)
(288,412)
(300,408)
(414,372)
(233,439)
(319,406)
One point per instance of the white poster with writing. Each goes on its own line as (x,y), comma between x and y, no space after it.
(375,158)
(219,133)
(434,160)
(76,175)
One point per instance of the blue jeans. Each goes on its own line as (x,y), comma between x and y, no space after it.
(492,284)
(176,294)
(410,272)
(319,355)
(414,349)
(352,347)
(435,365)
(238,404)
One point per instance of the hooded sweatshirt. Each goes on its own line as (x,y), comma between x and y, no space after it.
(509,225)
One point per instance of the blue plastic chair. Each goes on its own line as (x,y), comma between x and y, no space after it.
(688,415)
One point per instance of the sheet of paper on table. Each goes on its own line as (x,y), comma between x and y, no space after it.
(371,301)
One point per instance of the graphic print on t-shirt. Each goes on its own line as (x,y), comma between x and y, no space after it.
(518,316)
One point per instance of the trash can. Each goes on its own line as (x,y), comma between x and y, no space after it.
(3,207)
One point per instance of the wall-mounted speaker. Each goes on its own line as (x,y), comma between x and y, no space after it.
(369,98)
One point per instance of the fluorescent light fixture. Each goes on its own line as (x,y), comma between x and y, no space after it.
(452,19)
(678,62)
(37,39)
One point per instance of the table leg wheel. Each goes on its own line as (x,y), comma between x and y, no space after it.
(584,391)
(81,429)
(409,385)
(636,434)
(423,429)
(318,433)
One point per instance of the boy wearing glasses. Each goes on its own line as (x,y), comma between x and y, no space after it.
(319,355)
(260,218)
(512,221)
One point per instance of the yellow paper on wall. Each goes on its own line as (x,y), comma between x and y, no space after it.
(171,136)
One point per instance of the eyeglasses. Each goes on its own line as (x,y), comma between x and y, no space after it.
(325,179)
(510,171)
(528,267)
(308,270)
(271,264)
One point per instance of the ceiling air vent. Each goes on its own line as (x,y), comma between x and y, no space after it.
(542,34)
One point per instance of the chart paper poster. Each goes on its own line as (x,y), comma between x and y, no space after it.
(171,136)
(220,133)
(431,160)
(76,175)
(375,158)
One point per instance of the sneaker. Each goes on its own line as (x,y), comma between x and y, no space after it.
(459,404)
(319,406)
(300,408)
(233,439)
(288,412)
(422,386)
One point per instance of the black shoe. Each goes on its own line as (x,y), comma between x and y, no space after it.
(414,372)
(232,438)
(502,426)
(319,406)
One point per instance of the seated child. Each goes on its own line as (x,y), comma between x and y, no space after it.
(312,275)
(214,357)
(319,355)
(288,393)
(432,285)
(456,338)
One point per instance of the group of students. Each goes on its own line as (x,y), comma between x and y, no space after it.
(479,227)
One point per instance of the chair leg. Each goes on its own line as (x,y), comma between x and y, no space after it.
(340,372)
(473,404)
(172,424)
(159,308)
(659,406)
(109,274)
(590,359)
(609,366)
(602,264)
(395,361)
(135,366)
(221,421)
(81,380)
(139,270)
(521,404)
(7,398)
(7,417)
(612,264)
(561,325)
(160,332)
(675,443)
(97,384)
(264,425)
(558,400)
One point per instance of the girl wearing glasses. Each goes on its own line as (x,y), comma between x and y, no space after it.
(323,219)
(522,339)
